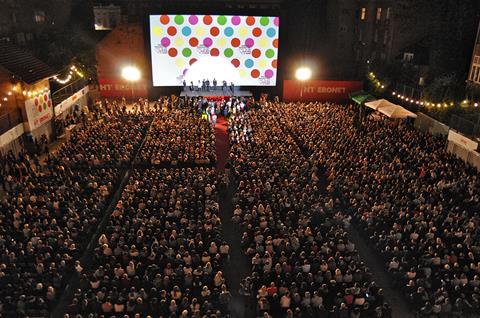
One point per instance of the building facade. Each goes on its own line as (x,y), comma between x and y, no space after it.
(124,46)
(474,72)
(23,20)
(338,39)
(107,17)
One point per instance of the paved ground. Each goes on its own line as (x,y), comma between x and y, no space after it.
(380,275)
(238,267)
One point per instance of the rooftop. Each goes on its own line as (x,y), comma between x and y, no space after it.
(23,64)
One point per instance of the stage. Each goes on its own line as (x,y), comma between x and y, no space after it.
(215,93)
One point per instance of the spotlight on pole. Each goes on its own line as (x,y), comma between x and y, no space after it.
(131,73)
(303,74)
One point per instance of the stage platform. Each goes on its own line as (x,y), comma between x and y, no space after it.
(216,93)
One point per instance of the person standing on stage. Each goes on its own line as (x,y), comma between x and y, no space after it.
(199,85)
(214,84)
(192,87)
(232,87)
(207,84)
(224,86)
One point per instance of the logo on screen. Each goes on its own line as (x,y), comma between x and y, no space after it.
(160,49)
(202,49)
(264,80)
(245,49)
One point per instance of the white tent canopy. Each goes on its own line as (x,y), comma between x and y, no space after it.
(389,109)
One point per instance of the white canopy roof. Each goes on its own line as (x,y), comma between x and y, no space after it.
(390,109)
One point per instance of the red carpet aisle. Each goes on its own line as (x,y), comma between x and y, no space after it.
(238,267)
(222,143)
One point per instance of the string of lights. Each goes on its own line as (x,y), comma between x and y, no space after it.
(68,77)
(5,96)
(421,102)
(30,93)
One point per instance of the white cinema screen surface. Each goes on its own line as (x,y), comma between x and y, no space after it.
(238,49)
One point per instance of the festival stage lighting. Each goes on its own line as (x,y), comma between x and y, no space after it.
(303,74)
(131,73)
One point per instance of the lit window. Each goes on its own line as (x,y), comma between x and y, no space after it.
(363,14)
(40,16)
(474,76)
(407,57)
(475,73)
(379,14)
(389,11)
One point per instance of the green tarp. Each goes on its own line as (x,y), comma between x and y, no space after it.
(360,97)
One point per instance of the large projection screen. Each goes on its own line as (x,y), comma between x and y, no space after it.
(238,49)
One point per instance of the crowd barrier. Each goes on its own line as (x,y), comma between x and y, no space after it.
(434,127)
(470,157)
(428,124)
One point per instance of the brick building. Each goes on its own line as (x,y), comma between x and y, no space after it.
(123,46)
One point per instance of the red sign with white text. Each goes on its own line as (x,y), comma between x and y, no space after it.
(112,87)
(330,91)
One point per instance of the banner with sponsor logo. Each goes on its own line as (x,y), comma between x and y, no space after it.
(11,135)
(462,141)
(113,87)
(331,91)
(39,110)
(74,99)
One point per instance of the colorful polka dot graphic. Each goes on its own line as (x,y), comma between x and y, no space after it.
(249,44)
(42,102)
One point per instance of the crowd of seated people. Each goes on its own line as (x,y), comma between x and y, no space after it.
(161,252)
(113,139)
(46,216)
(50,209)
(303,264)
(416,202)
(179,137)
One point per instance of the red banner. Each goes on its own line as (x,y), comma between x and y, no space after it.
(330,91)
(112,87)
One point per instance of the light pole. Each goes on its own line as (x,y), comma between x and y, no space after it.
(131,74)
(303,74)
